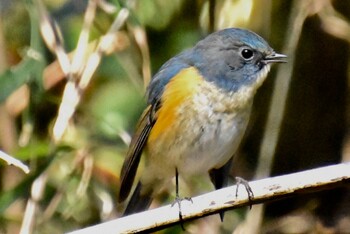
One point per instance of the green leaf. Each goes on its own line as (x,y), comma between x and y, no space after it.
(13,78)
(149,13)
(10,196)
(31,67)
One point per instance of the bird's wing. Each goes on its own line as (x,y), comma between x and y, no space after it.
(133,156)
(148,119)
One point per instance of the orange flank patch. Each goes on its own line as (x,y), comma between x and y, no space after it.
(180,87)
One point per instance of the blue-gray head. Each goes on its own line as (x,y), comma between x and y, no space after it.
(234,57)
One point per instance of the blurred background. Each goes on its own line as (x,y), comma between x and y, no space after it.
(72,81)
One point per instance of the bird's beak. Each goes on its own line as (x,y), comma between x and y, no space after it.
(275,58)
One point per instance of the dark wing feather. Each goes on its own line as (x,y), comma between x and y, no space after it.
(133,156)
(138,202)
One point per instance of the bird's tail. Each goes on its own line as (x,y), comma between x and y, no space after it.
(138,202)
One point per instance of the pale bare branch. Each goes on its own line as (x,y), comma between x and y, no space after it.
(74,89)
(268,189)
(37,190)
(13,161)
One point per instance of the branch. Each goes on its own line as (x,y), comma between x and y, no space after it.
(269,189)
(13,161)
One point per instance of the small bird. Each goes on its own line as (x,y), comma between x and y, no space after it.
(199,104)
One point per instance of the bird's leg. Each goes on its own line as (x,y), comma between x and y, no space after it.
(249,190)
(178,199)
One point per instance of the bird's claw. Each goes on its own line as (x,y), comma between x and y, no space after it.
(247,188)
(178,201)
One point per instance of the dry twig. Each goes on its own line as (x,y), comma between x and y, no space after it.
(13,161)
(269,189)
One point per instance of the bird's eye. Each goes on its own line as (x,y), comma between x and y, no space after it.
(247,54)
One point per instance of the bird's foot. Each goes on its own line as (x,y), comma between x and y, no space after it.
(249,190)
(178,201)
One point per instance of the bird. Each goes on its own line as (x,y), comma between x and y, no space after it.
(198,107)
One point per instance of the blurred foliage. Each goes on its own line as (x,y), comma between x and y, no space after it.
(79,174)
(164,10)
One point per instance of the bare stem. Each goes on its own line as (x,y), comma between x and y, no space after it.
(13,161)
(269,189)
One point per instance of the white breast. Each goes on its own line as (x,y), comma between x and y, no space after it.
(208,129)
(216,132)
